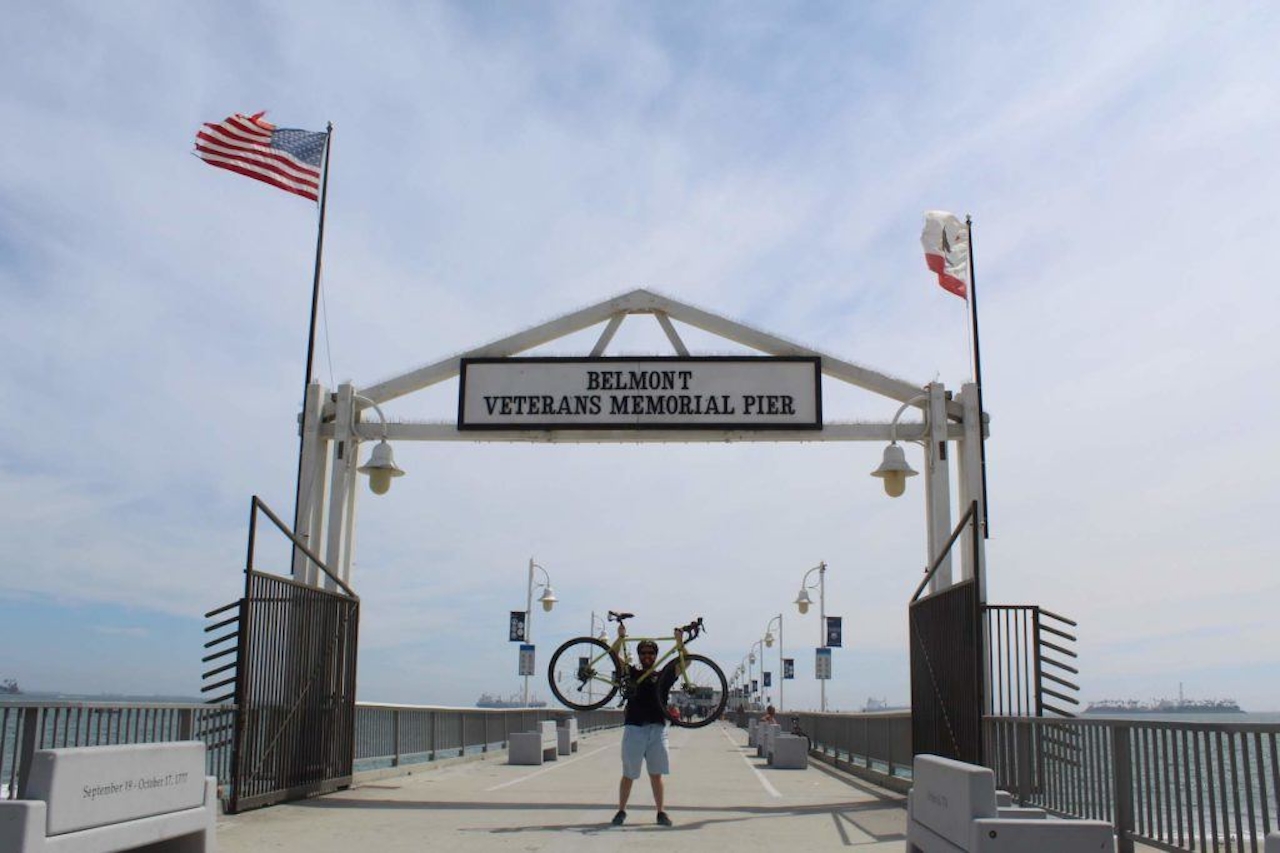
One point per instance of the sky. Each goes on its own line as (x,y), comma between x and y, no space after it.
(497,165)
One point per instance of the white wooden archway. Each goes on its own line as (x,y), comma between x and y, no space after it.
(335,425)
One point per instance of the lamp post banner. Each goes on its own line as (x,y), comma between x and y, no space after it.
(822,664)
(517,634)
(834,631)
(526,659)
(711,392)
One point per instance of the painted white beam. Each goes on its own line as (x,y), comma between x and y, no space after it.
(511,345)
(831,432)
(646,302)
(606,336)
(937,479)
(862,377)
(672,335)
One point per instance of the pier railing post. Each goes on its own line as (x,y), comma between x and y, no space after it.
(1122,786)
(186,724)
(395,736)
(27,751)
(1022,733)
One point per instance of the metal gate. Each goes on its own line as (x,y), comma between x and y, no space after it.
(295,683)
(947,663)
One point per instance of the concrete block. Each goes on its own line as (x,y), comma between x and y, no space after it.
(790,752)
(108,798)
(567,736)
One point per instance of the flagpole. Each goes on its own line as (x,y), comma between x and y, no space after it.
(977,378)
(311,329)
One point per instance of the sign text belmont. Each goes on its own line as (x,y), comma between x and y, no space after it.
(714,392)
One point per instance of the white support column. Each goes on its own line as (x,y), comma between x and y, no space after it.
(970,471)
(342,465)
(353,492)
(320,508)
(937,481)
(310,485)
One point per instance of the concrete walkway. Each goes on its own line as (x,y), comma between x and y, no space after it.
(720,796)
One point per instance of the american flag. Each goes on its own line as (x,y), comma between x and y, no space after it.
(283,157)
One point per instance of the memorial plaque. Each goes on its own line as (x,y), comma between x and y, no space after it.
(98,785)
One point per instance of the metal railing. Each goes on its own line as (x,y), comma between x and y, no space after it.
(879,744)
(385,735)
(396,735)
(1028,649)
(28,725)
(1195,786)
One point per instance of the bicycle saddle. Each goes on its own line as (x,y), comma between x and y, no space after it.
(618,617)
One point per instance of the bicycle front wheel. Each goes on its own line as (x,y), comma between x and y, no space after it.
(583,674)
(698,694)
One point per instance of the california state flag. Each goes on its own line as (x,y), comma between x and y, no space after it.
(946,250)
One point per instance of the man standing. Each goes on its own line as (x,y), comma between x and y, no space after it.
(644,735)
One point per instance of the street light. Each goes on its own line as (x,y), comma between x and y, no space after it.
(603,636)
(894,469)
(752,658)
(802,603)
(768,641)
(381,466)
(548,599)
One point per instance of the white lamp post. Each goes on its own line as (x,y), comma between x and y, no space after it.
(768,641)
(802,603)
(381,467)
(751,656)
(548,599)
(894,469)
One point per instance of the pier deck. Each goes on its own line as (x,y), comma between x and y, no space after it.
(720,796)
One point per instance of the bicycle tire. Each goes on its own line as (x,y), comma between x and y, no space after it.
(577,683)
(693,710)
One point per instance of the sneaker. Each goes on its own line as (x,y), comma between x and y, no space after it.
(619,818)
(663,820)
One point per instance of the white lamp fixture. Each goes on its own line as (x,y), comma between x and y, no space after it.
(768,639)
(381,466)
(548,598)
(803,601)
(894,471)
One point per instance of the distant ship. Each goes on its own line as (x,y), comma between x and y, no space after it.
(874,704)
(9,687)
(1181,705)
(488,700)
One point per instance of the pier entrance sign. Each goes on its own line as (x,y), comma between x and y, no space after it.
(712,392)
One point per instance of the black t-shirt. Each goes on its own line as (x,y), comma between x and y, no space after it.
(650,697)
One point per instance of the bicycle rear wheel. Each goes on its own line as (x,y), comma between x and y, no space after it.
(698,694)
(581,670)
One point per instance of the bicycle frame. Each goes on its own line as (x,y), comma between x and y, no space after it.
(619,650)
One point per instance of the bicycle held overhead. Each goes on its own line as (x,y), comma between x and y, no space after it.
(586,673)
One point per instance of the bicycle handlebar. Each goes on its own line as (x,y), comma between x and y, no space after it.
(693,629)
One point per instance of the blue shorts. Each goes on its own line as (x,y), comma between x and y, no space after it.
(648,745)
